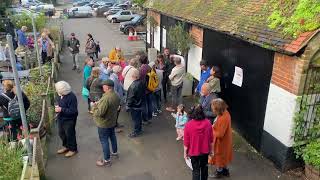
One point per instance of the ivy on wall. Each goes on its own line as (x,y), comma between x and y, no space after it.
(307,119)
(294,16)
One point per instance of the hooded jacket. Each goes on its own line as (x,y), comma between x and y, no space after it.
(198,137)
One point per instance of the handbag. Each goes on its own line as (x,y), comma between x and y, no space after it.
(85,92)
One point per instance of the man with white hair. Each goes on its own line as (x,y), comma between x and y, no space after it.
(22,38)
(134,103)
(106,119)
(67,109)
(176,78)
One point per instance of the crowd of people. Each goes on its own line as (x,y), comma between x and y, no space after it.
(138,87)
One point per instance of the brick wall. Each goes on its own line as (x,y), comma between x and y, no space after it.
(155,15)
(288,72)
(197,35)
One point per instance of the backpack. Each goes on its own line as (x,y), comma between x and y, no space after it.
(13,107)
(152,80)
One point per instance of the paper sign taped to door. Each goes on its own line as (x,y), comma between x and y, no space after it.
(238,76)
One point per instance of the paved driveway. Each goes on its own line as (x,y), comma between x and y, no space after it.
(154,156)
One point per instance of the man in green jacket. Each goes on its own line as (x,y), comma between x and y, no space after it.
(105,117)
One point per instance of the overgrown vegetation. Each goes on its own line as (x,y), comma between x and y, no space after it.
(307,121)
(311,154)
(34,89)
(24,19)
(3,5)
(11,163)
(294,17)
(139,2)
(179,38)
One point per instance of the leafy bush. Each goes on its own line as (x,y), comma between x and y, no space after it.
(11,164)
(179,38)
(24,19)
(311,154)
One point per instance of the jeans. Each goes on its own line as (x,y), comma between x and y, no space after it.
(75,59)
(176,92)
(157,100)
(67,133)
(44,57)
(104,135)
(147,107)
(137,120)
(200,167)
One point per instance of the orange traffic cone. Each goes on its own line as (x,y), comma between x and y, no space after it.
(130,37)
(135,36)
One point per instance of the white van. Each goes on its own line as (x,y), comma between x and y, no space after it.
(81,11)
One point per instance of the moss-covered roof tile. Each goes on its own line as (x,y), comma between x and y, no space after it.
(246,19)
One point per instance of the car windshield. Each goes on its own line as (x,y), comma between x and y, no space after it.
(136,19)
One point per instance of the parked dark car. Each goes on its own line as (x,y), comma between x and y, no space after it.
(136,24)
(101,9)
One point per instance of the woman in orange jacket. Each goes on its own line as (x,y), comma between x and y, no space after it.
(222,139)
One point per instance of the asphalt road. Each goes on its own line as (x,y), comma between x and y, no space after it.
(154,156)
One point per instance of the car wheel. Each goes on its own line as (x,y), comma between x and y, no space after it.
(114,20)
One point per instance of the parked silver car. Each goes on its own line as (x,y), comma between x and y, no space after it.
(121,16)
(82,11)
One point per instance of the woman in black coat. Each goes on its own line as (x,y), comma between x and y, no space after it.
(67,109)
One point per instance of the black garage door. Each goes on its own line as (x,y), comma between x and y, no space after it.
(247,103)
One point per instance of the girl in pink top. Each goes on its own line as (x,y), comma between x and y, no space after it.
(198,142)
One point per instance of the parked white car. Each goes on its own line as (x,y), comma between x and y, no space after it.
(121,16)
(81,11)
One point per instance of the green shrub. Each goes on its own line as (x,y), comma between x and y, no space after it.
(24,19)
(311,154)
(11,164)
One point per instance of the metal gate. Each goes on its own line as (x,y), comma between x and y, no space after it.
(308,118)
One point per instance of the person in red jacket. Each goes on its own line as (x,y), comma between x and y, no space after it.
(198,138)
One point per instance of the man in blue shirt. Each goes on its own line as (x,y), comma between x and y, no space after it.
(22,39)
(205,73)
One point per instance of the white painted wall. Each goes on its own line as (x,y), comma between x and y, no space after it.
(148,33)
(157,38)
(194,58)
(281,107)
(164,37)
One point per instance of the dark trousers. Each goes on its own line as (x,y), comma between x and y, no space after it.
(104,135)
(157,100)
(148,108)
(14,129)
(176,92)
(44,57)
(67,133)
(89,104)
(137,120)
(165,88)
(200,167)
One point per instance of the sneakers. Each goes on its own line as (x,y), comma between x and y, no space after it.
(219,174)
(146,122)
(62,150)
(159,111)
(134,134)
(74,68)
(102,163)
(154,114)
(70,154)
(114,155)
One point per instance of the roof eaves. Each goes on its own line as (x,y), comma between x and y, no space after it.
(239,36)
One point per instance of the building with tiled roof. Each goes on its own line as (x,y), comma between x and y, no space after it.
(264,69)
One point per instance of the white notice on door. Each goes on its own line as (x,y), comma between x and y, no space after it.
(238,76)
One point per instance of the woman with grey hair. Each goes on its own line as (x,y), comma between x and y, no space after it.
(67,109)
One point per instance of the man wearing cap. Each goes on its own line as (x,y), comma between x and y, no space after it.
(73,45)
(105,117)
